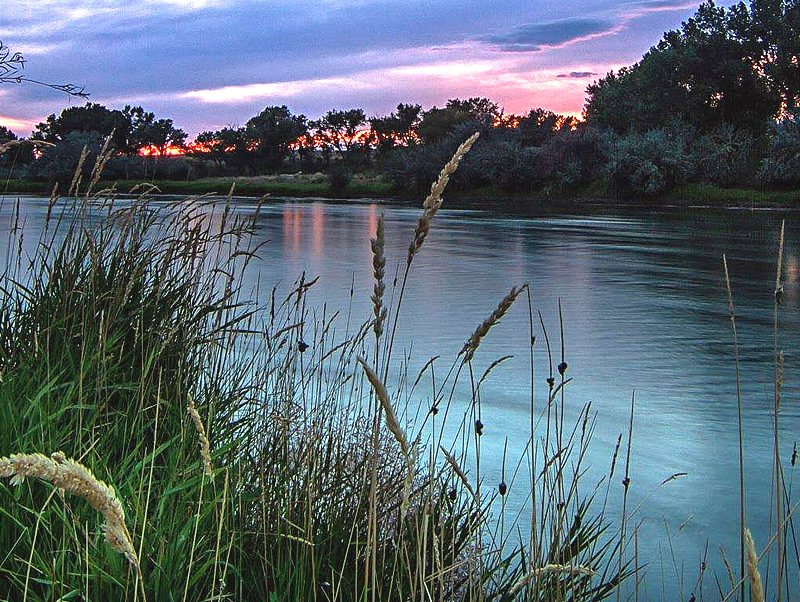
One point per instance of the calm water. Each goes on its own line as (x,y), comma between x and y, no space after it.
(645,310)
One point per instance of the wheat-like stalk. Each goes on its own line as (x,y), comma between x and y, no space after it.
(471,346)
(378,245)
(75,478)
(100,163)
(756,586)
(11,143)
(459,472)
(391,417)
(76,177)
(563,569)
(434,199)
(205,448)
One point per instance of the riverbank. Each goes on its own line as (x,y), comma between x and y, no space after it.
(361,186)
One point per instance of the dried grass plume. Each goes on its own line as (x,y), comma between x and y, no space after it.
(434,199)
(205,448)
(756,585)
(75,478)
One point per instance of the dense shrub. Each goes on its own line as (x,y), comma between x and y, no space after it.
(59,163)
(781,167)
(728,156)
(339,178)
(649,164)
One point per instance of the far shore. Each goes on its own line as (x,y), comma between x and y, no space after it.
(365,187)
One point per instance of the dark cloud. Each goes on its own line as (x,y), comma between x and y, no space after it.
(577,74)
(535,36)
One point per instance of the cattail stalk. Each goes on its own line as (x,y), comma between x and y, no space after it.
(75,478)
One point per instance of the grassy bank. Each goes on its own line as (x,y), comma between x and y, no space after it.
(252,452)
(291,186)
(361,186)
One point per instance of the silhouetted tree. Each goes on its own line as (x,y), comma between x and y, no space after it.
(438,123)
(338,132)
(700,74)
(272,132)
(396,128)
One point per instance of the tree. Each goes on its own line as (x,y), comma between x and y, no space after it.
(700,74)
(229,145)
(770,30)
(539,126)
(92,117)
(438,123)
(12,64)
(6,135)
(211,145)
(272,132)
(338,131)
(396,128)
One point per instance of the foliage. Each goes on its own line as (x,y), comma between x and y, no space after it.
(129,310)
(437,124)
(60,162)
(650,164)
(272,132)
(702,74)
(728,156)
(12,65)
(781,167)
(397,128)
(339,178)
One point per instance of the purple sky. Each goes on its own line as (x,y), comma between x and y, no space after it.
(211,63)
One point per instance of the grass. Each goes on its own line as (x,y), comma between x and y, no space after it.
(257,453)
(244,186)
(365,186)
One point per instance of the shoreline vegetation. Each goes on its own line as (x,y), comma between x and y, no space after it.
(239,448)
(316,186)
(710,114)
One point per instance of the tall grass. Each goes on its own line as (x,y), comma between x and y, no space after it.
(257,452)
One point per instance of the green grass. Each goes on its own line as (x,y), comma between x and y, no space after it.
(256,187)
(374,187)
(716,195)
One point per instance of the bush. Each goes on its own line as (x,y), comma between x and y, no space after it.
(728,157)
(781,167)
(339,178)
(129,313)
(60,162)
(649,164)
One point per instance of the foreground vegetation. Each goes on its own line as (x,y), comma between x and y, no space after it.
(252,453)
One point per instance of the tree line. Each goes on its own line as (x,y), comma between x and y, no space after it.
(716,100)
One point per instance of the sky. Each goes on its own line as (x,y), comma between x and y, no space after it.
(208,64)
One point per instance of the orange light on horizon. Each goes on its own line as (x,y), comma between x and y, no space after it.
(152,151)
